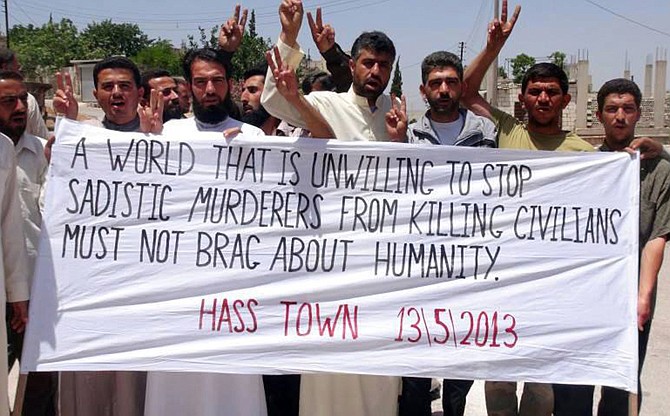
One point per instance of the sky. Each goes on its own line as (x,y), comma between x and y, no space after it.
(417,27)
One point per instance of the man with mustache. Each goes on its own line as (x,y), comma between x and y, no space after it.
(358,114)
(253,111)
(14,275)
(544,95)
(444,123)
(161,81)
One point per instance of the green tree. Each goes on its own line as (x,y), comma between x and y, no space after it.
(44,50)
(159,55)
(520,65)
(107,38)
(396,84)
(558,58)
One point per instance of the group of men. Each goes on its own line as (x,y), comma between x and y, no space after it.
(350,104)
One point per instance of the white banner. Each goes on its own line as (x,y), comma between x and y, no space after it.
(273,255)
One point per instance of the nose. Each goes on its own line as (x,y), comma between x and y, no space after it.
(116,89)
(21,105)
(209,88)
(620,115)
(173,95)
(543,96)
(444,88)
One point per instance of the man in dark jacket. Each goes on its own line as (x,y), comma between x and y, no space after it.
(444,123)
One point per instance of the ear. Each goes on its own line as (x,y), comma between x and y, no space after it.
(422,90)
(95,93)
(599,116)
(521,100)
(352,65)
(566,100)
(140,91)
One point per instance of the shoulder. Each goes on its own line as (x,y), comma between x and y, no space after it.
(178,124)
(574,142)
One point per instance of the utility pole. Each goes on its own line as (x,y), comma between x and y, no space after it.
(7,24)
(461,46)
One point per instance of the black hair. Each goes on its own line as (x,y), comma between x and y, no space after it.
(117,62)
(374,41)
(440,59)
(259,69)
(151,74)
(6,56)
(324,78)
(5,74)
(206,54)
(545,70)
(619,86)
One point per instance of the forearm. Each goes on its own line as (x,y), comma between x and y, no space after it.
(314,121)
(476,71)
(650,265)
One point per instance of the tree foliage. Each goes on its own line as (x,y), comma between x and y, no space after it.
(396,84)
(520,65)
(558,58)
(43,50)
(160,55)
(107,38)
(502,73)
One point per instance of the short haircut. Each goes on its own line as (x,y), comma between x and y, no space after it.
(5,74)
(117,62)
(545,70)
(6,57)
(206,54)
(180,81)
(375,41)
(619,86)
(440,59)
(324,78)
(149,75)
(259,69)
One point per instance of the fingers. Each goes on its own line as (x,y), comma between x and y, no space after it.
(160,103)
(403,104)
(68,83)
(515,15)
(319,20)
(278,58)
(243,22)
(152,100)
(228,133)
(271,62)
(312,25)
(503,13)
(59,81)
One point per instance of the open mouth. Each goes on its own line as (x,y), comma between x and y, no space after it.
(118,104)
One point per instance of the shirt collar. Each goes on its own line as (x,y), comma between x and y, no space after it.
(361,101)
(28,142)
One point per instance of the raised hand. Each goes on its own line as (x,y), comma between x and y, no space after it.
(324,36)
(500,29)
(64,101)
(151,116)
(290,16)
(396,120)
(285,77)
(231,33)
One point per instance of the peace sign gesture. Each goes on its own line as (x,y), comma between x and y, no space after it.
(231,33)
(151,117)
(324,36)
(500,29)
(290,16)
(396,120)
(285,77)
(64,101)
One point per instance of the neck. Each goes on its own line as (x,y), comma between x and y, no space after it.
(617,145)
(269,127)
(551,128)
(442,117)
(129,125)
(15,138)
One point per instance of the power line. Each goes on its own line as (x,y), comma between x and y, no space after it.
(628,19)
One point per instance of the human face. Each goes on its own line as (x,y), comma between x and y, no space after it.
(13,108)
(184,97)
(168,89)
(619,116)
(210,87)
(371,73)
(442,91)
(251,93)
(118,94)
(544,100)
